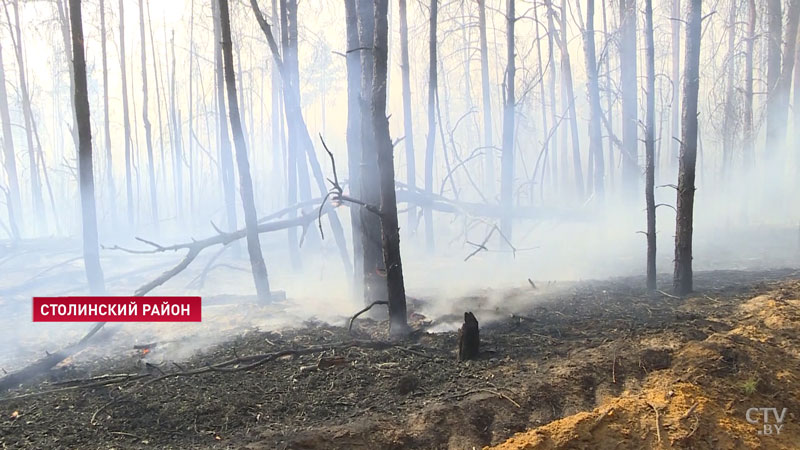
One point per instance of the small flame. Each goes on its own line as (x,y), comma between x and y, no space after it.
(145,351)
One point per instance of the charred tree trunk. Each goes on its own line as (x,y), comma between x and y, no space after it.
(148,132)
(487,103)
(91,248)
(593,86)
(126,121)
(112,195)
(374,284)
(431,139)
(749,134)
(469,340)
(682,278)
(390,236)
(630,105)
(9,156)
(507,166)
(354,112)
(225,155)
(259,268)
(408,122)
(649,144)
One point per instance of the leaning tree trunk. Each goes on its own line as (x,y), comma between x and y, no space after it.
(148,132)
(507,163)
(487,104)
(126,121)
(408,122)
(112,195)
(354,139)
(390,236)
(630,105)
(431,140)
(682,278)
(374,284)
(649,144)
(91,248)
(9,158)
(225,154)
(259,268)
(593,86)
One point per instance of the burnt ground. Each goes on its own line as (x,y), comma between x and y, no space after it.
(580,347)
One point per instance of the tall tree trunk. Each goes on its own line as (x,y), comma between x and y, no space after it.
(225,155)
(749,134)
(431,139)
(278,160)
(729,120)
(487,104)
(177,139)
(507,163)
(36,185)
(551,62)
(112,194)
(91,248)
(774,36)
(148,132)
(649,144)
(609,98)
(630,105)
(543,98)
(374,284)
(390,236)
(158,85)
(676,81)
(682,278)
(65,34)
(408,122)
(593,86)
(257,264)
(9,156)
(354,112)
(569,91)
(190,162)
(778,100)
(126,121)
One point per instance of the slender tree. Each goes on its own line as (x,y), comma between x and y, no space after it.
(106,123)
(487,103)
(649,144)
(9,156)
(408,122)
(177,139)
(257,265)
(682,278)
(148,131)
(749,134)
(390,236)
(729,119)
(593,88)
(507,163)
(778,100)
(431,139)
(676,80)
(630,105)
(126,121)
(91,248)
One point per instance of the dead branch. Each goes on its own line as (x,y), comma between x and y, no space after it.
(377,302)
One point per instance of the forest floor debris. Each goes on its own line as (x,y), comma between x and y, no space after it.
(590,365)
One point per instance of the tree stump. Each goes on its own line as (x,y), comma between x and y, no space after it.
(468,338)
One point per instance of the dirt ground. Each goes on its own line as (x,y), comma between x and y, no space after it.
(591,365)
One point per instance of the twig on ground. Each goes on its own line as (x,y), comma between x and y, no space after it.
(658,421)
(378,302)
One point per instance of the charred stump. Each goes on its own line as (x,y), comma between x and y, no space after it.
(468,338)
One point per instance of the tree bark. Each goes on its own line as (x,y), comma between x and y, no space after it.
(374,284)
(91,248)
(126,121)
(431,139)
(593,87)
(487,104)
(257,264)
(408,122)
(390,236)
(9,156)
(630,105)
(225,154)
(112,194)
(507,163)
(649,144)
(148,132)
(682,277)
(354,112)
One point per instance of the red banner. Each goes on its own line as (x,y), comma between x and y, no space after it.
(117,309)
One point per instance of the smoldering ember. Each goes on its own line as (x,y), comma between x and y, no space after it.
(407,224)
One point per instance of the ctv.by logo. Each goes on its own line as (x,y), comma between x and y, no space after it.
(772,421)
